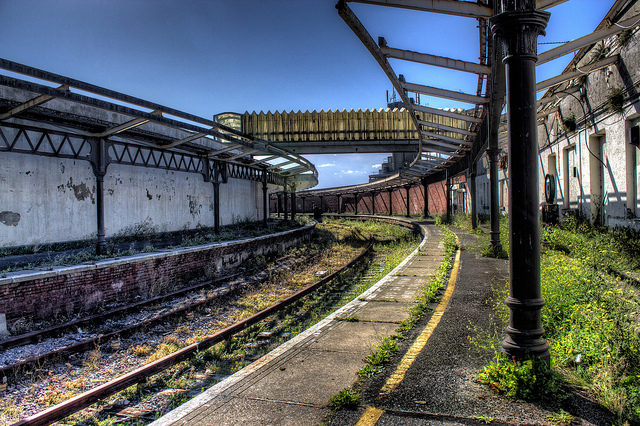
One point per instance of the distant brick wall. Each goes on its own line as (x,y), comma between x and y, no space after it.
(68,290)
(437,201)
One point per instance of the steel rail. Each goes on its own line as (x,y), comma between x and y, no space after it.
(141,374)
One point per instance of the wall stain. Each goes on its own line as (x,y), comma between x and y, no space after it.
(9,218)
(194,206)
(81,191)
(149,196)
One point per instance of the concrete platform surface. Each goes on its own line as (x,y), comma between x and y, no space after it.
(293,383)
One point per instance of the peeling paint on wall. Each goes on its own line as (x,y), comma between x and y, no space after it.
(149,196)
(194,206)
(9,218)
(80,191)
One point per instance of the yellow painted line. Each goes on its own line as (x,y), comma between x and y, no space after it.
(421,341)
(370,416)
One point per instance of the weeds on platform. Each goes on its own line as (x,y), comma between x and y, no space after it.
(375,362)
(592,314)
(346,398)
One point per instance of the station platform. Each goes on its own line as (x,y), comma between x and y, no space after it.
(433,375)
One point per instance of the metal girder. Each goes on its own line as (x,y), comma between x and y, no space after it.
(437,136)
(449,114)
(294,170)
(39,100)
(443,93)
(449,7)
(374,146)
(430,146)
(587,40)
(121,128)
(446,128)
(242,154)
(275,166)
(437,61)
(225,149)
(575,74)
(184,140)
(547,4)
(558,94)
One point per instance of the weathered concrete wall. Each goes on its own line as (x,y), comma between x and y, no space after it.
(568,154)
(45,200)
(68,290)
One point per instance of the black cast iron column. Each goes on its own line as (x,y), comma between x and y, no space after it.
(293,203)
(408,202)
(448,197)
(265,198)
(518,28)
(286,204)
(100,169)
(322,204)
(355,204)
(391,202)
(373,203)
(472,196)
(339,204)
(425,189)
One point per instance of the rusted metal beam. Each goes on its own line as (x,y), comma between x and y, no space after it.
(437,61)
(449,7)
(587,40)
(454,141)
(550,82)
(446,128)
(443,93)
(547,4)
(39,100)
(450,114)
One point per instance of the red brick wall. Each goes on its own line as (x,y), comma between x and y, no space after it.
(69,290)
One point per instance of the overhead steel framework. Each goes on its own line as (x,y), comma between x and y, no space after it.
(56,116)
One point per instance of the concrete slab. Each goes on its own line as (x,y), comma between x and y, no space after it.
(246,411)
(311,377)
(359,337)
(389,311)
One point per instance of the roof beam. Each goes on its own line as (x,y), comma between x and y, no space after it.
(438,136)
(431,146)
(445,128)
(184,140)
(575,74)
(547,4)
(443,93)
(437,61)
(556,95)
(449,7)
(444,113)
(30,104)
(121,128)
(242,154)
(587,40)
(225,149)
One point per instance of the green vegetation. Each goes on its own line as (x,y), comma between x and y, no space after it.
(142,238)
(335,243)
(374,363)
(591,320)
(346,398)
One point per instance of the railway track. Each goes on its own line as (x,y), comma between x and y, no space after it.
(103,333)
(273,324)
(141,374)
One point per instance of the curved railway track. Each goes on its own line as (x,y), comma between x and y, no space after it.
(141,374)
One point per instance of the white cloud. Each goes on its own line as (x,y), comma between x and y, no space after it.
(376,166)
(350,172)
(326,165)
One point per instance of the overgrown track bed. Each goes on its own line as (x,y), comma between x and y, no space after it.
(45,387)
(105,326)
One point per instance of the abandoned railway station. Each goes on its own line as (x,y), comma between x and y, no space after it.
(159,266)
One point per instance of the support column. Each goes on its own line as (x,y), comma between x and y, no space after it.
(265,198)
(279,203)
(355,204)
(391,202)
(408,202)
(472,195)
(216,204)
(425,188)
(100,165)
(518,28)
(322,204)
(373,203)
(448,197)
(339,204)
(293,204)
(286,204)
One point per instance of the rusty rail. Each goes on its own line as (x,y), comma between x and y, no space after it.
(141,374)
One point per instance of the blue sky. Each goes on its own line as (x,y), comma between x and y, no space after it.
(206,57)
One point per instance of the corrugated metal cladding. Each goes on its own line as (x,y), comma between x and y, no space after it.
(367,125)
